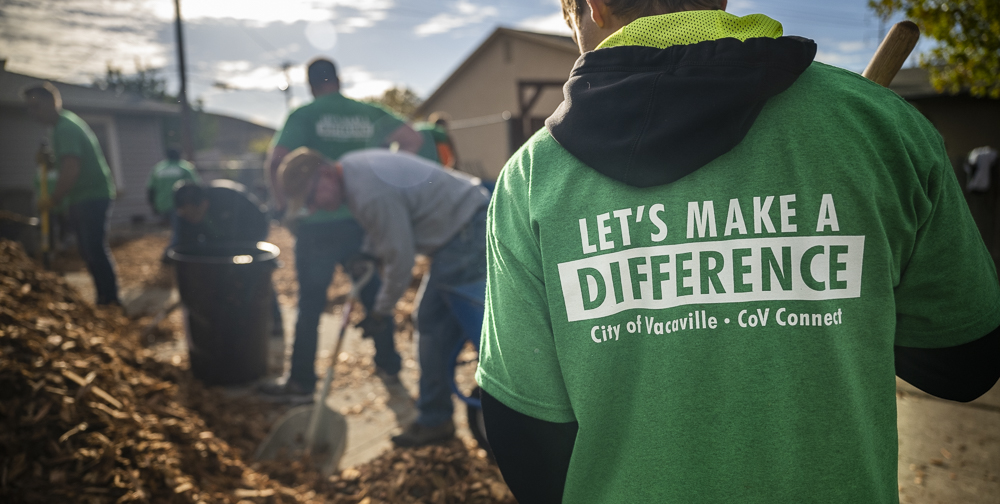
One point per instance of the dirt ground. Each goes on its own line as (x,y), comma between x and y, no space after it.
(242,422)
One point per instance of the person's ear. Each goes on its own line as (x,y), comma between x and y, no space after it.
(598,12)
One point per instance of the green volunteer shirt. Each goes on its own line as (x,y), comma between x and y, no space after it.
(729,337)
(165,174)
(436,133)
(72,137)
(335,125)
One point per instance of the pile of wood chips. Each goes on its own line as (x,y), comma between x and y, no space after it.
(449,473)
(87,416)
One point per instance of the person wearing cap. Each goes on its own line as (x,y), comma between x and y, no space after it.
(406,206)
(333,125)
(221,211)
(84,186)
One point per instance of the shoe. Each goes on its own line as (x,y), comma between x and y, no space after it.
(420,435)
(285,391)
(389,380)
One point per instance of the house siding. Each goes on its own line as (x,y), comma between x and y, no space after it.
(487,85)
(19,140)
(141,146)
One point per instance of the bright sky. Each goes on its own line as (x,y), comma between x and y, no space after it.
(236,48)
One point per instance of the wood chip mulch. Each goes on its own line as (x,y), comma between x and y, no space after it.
(87,416)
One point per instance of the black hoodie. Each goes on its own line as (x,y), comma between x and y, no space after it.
(647,116)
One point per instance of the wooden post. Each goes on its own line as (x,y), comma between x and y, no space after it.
(892,53)
(186,143)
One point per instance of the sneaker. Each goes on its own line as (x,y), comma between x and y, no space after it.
(420,435)
(389,380)
(285,391)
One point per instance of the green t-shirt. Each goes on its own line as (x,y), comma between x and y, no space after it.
(335,125)
(165,174)
(72,137)
(729,337)
(428,149)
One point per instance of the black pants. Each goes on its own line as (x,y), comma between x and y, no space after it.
(89,222)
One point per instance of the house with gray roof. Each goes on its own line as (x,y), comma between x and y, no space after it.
(501,94)
(129,128)
(133,132)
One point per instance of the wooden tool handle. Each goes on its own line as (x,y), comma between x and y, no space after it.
(892,53)
(43,195)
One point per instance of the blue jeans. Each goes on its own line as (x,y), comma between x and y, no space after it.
(319,247)
(460,261)
(89,221)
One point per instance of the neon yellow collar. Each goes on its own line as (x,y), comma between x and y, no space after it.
(691,27)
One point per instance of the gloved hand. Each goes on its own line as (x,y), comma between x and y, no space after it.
(374,323)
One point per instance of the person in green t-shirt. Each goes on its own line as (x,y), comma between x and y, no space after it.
(706,272)
(160,188)
(84,185)
(166,173)
(441,148)
(333,125)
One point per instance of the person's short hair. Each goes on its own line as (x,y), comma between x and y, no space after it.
(296,175)
(297,170)
(322,71)
(173,154)
(45,91)
(439,118)
(187,193)
(630,10)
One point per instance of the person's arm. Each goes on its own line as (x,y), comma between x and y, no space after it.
(407,139)
(388,237)
(947,297)
(150,192)
(151,199)
(530,422)
(532,454)
(274,159)
(959,373)
(69,172)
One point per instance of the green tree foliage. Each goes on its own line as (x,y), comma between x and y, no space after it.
(146,82)
(968,32)
(401,100)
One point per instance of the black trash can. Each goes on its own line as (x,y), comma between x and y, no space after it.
(226,291)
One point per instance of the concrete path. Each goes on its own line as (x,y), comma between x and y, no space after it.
(374,412)
(948,452)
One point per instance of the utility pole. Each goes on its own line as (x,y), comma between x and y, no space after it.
(288,85)
(186,144)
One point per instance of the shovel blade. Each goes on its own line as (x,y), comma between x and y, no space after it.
(288,438)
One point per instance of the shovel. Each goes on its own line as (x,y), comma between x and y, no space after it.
(315,431)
